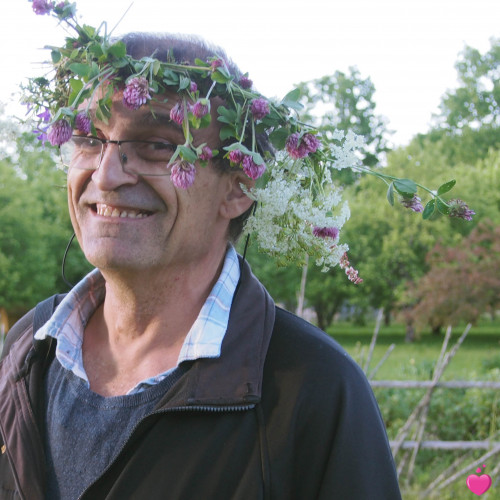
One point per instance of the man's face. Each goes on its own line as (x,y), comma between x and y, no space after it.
(131,223)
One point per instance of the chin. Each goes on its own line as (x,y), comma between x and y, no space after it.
(124,259)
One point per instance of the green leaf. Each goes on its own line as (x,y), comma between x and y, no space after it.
(218,77)
(170,78)
(206,120)
(405,187)
(429,209)
(239,147)
(175,155)
(442,207)
(120,63)
(226,132)
(223,119)
(278,138)
(258,160)
(291,98)
(76,85)
(94,70)
(199,62)
(447,186)
(198,123)
(69,112)
(79,69)
(156,67)
(88,30)
(271,121)
(224,72)
(56,56)
(97,50)
(118,50)
(229,114)
(390,194)
(187,154)
(184,83)
(100,115)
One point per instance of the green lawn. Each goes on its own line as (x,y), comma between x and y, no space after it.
(479,353)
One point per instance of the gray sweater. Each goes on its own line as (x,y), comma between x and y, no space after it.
(94,427)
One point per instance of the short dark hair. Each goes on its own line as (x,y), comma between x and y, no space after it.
(185,49)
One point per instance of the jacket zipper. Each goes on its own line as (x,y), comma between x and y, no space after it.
(212,409)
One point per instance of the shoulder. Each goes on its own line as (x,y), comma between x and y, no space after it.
(303,345)
(314,370)
(22,328)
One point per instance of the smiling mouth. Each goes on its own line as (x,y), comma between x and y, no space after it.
(119,213)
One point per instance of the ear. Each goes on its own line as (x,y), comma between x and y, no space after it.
(236,201)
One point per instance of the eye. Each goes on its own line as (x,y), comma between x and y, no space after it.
(87,144)
(155,151)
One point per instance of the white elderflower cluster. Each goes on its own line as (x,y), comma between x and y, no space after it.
(346,153)
(288,214)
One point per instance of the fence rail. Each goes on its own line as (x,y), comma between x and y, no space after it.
(424,384)
(449,445)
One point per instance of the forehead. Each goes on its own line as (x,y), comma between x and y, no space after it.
(154,118)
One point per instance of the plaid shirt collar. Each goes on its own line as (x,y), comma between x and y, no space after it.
(204,339)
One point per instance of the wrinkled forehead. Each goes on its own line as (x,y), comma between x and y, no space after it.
(153,118)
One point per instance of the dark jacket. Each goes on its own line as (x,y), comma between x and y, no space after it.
(283,414)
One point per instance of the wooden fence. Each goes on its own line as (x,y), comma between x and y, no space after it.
(410,437)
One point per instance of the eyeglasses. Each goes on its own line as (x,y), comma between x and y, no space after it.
(136,157)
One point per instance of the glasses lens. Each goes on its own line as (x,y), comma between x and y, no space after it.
(136,157)
(146,158)
(81,152)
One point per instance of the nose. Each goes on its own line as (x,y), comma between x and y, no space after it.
(110,174)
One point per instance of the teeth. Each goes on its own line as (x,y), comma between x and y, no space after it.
(107,211)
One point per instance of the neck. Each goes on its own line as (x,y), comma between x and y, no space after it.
(168,300)
(139,330)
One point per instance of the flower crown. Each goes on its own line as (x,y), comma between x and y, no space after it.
(300,212)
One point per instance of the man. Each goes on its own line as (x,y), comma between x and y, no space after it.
(168,372)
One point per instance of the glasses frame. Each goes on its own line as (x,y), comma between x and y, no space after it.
(123,157)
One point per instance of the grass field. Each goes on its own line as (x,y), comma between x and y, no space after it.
(479,353)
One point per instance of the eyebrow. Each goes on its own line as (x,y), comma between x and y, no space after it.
(149,119)
(155,118)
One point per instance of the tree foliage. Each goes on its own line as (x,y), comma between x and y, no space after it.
(463,281)
(476,101)
(35,226)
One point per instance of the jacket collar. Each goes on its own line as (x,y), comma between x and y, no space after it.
(235,378)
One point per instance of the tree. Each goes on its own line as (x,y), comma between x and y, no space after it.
(476,101)
(467,126)
(326,293)
(283,283)
(346,102)
(462,282)
(35,227)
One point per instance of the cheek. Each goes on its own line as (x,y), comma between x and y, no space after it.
(76,183)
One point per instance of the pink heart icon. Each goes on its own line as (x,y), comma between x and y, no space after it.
(479,484)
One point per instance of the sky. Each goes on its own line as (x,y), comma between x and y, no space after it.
(407,47)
